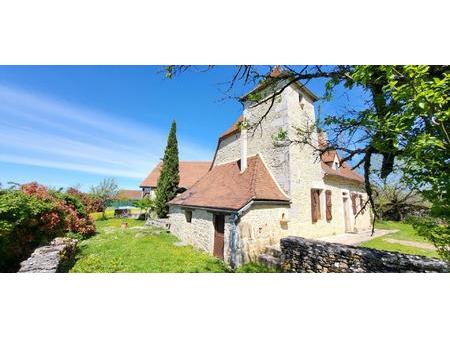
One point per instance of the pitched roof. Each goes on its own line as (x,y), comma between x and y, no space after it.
(190,172)
(344,171)
(225,187)
(233,129)
(129,194)
(278,74)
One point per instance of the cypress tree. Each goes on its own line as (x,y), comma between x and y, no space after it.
(169,177)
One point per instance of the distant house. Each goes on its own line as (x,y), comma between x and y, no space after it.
(190,173)
(125,198)
(132,195)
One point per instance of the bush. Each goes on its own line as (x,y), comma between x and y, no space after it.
(33,216)
(436,230)
(90,202)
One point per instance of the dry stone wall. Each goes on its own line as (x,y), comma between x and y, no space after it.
(306,255)
(58,256)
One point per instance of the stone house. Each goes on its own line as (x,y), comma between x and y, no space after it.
(190,173)
(259,190)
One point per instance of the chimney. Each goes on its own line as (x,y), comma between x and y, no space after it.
(243,139)
(322,138)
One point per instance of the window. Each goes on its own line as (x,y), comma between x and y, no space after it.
(188,215)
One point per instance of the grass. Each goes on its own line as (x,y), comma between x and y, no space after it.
(109,213)
(380,244)
(406,233)
(139,249)
(144,249)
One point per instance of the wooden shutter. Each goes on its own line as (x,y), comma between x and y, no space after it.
(328,205)
(353,196)
(315,205)
(361,203)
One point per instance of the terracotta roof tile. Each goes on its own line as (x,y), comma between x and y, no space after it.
(190,172)
(344,172)
(233,129)
(328,156)
(129,194)
(225,187)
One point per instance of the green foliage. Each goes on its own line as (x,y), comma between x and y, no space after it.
(144,203)
(169,177)
(407,119)
(32,216)
(20,229)
(436,231)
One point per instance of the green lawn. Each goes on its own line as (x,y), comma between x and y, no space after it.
(139,249)
(406,233)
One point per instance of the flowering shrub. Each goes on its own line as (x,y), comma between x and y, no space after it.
(33,215)
(90,202)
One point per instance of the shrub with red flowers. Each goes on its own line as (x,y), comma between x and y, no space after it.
(33,215)
(91,203)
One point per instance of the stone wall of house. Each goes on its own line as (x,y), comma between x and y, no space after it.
(261,226)
(338,188)
(260,138)
(307,255)
(199,233)
(228,150)
(58,256)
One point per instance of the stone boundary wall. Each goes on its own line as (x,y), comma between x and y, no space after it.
(307,255)
(158,223)
(58,256)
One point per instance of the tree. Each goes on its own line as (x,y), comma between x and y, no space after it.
(144,204)
(105,191)
(169,177)
(396,202)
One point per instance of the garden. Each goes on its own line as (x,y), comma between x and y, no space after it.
(32,215)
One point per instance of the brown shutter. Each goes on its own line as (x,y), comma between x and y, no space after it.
(313,206)
(328,204)
(318,211)
(361,203)
(353,196)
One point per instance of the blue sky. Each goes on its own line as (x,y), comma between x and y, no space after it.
(68,125)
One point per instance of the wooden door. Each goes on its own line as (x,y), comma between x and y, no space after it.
(346,215)
(219,227)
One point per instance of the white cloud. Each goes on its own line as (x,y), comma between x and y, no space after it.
(47,132)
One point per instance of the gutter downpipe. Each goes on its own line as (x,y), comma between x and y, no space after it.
(235,218)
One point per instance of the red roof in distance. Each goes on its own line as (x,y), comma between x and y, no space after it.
(190,172)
